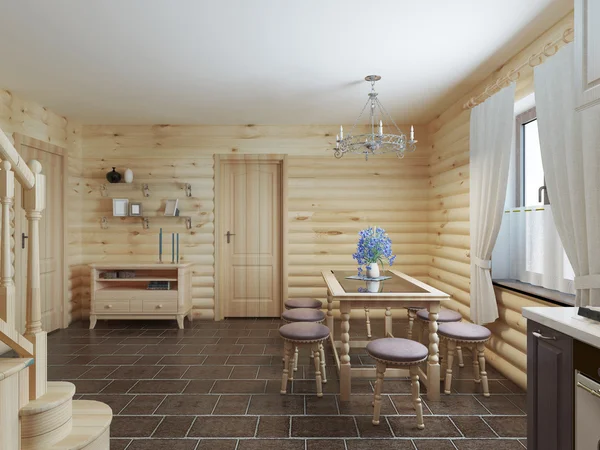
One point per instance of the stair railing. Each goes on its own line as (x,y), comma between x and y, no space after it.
(34,342)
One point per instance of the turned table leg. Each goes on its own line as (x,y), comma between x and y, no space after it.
(330,313)
(433,362)
(345,367)
(368,319)
(411,323)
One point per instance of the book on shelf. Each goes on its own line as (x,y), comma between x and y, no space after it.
(159,285)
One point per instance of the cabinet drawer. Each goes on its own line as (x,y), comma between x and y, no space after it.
(160,306)
(111,307)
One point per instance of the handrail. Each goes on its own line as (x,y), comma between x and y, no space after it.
(15,340)
(19,166)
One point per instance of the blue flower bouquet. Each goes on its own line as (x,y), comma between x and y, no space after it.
(374,247)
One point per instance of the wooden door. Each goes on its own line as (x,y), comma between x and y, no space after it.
(52,258)
(549,388)
(251,213)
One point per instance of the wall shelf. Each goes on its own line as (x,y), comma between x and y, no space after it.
(144,187)
(146,220)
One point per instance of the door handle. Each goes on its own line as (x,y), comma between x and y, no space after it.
(229,234)
(539,335)
(23,237)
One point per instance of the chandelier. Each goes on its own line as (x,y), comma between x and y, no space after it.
(376,142)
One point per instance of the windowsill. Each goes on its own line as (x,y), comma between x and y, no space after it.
(542,293)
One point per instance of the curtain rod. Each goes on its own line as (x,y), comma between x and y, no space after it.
(536,59)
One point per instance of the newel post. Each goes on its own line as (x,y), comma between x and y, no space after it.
(34,202)
(7,284)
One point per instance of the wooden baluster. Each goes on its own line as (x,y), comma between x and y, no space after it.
(7,285)
(34,202)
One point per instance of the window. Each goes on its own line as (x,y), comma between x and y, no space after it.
(528,248)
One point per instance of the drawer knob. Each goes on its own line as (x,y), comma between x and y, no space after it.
(158,306)
(108,306)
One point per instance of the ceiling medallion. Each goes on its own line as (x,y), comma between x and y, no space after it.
(376,142)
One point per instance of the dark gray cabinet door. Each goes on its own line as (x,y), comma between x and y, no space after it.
(549,389)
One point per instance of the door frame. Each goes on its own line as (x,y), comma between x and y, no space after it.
(282,161)
(19,140)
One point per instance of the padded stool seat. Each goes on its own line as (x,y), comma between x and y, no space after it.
(470,335)
(445,315)
(415,308)
(303,315)
(304,331)
(306,302)
(397,350)
(463,331)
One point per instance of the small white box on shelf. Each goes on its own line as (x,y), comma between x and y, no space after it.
(120,207)
(171,207)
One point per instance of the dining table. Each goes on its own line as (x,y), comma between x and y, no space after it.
(395,290)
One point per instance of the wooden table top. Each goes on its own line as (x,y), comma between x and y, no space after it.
(398,286)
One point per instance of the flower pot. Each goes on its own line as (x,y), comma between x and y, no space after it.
(372,270)
(114,176)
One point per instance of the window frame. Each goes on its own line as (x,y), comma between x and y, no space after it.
(522,119)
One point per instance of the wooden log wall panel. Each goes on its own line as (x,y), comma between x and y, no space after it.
(33,120)
(449,268)
(329,200)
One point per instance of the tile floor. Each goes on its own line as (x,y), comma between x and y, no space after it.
(215,385)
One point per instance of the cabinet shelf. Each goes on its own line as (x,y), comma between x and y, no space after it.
(144,187)
(136,279)
(146,220)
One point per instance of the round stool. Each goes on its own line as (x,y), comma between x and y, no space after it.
(306,315)
(302,333)
(444,316)
(412,314)
(398,352)
(305,302)
(475,336)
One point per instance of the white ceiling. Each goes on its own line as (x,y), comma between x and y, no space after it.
(257,61)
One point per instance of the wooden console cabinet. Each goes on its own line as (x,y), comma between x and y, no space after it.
(130,298)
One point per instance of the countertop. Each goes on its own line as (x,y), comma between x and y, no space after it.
(566,321)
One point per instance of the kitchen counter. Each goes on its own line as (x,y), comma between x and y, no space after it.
(566,321)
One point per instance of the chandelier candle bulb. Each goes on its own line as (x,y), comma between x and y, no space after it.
(337,141)
(341,132)
(380,127)
(412,133)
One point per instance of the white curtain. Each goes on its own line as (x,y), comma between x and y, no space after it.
(571,159)
(529,249)
(492,126)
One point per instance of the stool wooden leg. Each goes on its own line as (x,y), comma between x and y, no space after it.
(368,318)
(416,396)
(450,362)
(425,330)
(484,379)
(378,388)
(444,358)
(461,362)
(387,324)
(322,354)
(296,359)
(316,352)
(411,323)
(287,346)
(476,375)
(290,361)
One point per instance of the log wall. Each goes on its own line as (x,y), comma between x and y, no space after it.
(449,268)
(329,200)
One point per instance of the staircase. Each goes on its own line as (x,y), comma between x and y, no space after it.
(35,414)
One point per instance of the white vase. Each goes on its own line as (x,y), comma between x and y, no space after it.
(372,270)
(373,286)
(128,176)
